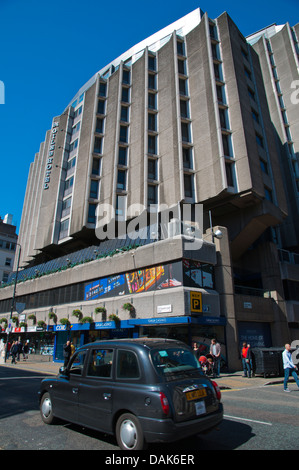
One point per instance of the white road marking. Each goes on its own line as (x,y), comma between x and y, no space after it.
(245,419)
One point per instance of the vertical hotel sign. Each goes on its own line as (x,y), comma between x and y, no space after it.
(50,157)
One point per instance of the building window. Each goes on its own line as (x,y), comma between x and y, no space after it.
(152,101)
(268,194)
(126,76)
(259,140)
(64,228)
(120,210)
(215,51)
(152,144)
(188,185)
(125,95)
(152,81)
(186,137)
(264,166)
(103,89)
(96,166)
(8,262)
(223,118)
(66,207)
(218,72)
(78,112)
(68,186)
(152,169)
(152,192)
(74,145)
(92,213)
(152,63)
(183,87)
(229,174)
(124,114)
(94,189)
(220,94)
(226,140)
(121,179)
(255,116)
(180,48)
(123,134)
(251,94)
(101,107)
(122,156)
(98,142)
(71,164)
(184,107)
(182,67)
(152,122)
(187,158)
(100,126)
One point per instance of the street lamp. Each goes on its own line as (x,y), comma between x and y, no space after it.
(13,300)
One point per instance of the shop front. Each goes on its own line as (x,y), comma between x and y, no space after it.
(80,334)
(39,340)
(189,329)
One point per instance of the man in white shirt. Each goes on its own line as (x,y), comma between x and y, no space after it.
(289,367)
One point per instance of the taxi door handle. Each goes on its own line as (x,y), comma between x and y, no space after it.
(75,390)
(107,396)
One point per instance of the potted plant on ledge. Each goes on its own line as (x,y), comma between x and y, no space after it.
(33,318)
(115,318)
(78,314)
(130,308)
(103,311)
(53,316)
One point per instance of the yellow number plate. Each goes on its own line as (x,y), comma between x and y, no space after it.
(194,394)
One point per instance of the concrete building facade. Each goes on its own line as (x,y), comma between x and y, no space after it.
(182,118)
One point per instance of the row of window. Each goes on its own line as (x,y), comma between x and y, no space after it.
(70,168)
(222,107)
(7,245)
(152,129)
(185,272)
(259,138)
(186,130)
(283,111)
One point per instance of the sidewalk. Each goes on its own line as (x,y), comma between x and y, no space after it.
(226,381)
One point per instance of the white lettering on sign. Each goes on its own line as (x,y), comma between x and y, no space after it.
(49,162)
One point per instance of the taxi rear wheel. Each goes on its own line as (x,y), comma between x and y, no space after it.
(46,409)
(129,434)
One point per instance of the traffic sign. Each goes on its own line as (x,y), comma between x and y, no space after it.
(196,302)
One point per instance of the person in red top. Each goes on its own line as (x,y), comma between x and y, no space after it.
(245,356)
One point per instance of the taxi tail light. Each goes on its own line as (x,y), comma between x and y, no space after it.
(164,403)
(217,390)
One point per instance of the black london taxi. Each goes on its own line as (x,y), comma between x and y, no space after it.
(141,390)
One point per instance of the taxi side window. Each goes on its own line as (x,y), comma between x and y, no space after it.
(100,363)
(127,365)
(77,363)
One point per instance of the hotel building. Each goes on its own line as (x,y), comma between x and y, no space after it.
(182,119)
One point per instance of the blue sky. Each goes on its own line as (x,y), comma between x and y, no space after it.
(49,49)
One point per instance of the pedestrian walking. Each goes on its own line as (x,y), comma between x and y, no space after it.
(246,358)
(289,368)
(14,352)
(67,351)
(215,351)
(25,351)
(20,347)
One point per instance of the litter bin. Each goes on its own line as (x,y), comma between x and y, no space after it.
(268,361)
